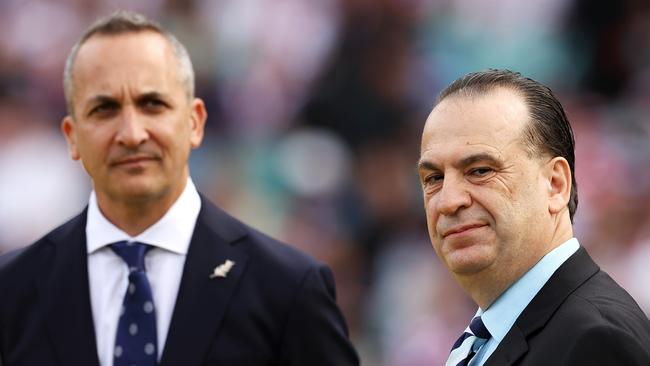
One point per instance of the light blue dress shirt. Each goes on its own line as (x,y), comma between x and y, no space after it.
(501,315)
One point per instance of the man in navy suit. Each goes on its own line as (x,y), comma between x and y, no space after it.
(217,291)
(497,172)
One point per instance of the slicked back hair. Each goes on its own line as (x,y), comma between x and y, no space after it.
(124,22)
(547,133)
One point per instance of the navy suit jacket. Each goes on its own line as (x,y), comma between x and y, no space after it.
(580,317)
(276,306)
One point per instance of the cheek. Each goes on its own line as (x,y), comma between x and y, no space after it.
(512,211)
(494,206)
(91,148)
(528,197)
(175,137)
(431,215)
(92,157)
(176,150)
(97,136)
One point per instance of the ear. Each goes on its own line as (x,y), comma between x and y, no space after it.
(70,134)
(197,119)
(559,180)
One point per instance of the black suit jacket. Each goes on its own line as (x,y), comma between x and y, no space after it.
(275,307)
(580,317)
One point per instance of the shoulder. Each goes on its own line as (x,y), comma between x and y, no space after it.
(602,301)
(608,344)
(596,323)
(284,279)
(605,324)
(267,253)
(36,257)
(581,293)
(287,292)
(23,260)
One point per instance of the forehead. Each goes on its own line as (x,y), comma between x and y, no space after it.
(143,59)
(489,123)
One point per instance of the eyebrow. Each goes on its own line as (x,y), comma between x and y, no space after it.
(91,103)
(426,165)
(468,160)
(98,99)
(474,158)
(102,98)
(151,95)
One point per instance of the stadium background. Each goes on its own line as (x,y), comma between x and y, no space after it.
(315,110)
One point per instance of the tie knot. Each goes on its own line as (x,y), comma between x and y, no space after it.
(131,252)
(468,344)
(478,328)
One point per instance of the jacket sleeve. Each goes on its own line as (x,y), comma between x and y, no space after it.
(316,333)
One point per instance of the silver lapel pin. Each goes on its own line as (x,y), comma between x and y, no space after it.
(222,269)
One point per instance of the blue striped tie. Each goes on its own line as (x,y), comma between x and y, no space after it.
(135,342)
(469,343)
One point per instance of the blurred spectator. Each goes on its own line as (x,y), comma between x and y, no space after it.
(315,110)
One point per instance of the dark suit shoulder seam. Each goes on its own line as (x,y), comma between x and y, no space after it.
(598,310)
(587,300)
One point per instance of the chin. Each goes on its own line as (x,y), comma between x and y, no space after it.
(468,262)
(140,191)
(467,269)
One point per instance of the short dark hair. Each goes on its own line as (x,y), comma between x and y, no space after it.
(123,22)
(549,131)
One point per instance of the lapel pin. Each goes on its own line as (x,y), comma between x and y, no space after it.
(222,269)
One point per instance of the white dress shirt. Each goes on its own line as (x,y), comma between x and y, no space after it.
(108,274)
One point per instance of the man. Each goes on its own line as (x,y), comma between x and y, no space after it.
(151,272)
(497,172)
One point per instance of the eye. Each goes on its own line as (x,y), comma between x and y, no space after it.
(480,172)
(153,105)
(432,178)
(104,109)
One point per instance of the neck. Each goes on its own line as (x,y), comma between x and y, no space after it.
(486,286)
(485,290)
(134,216)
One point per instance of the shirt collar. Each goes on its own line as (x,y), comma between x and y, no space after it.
(503,313)
(172,232)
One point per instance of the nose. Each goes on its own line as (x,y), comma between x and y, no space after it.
(131,131)
(452,197)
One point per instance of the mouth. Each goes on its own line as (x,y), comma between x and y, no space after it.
(134,160)
(462,229)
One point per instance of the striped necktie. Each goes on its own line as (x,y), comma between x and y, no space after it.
(469,343)
(135,342)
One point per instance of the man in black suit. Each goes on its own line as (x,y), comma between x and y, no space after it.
(150,260)
(497,172)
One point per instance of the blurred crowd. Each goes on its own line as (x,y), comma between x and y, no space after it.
(315,113)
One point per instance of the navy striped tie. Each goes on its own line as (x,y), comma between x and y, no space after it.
(469,343)
(135,342)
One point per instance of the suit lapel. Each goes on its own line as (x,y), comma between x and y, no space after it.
(68,310)
(569,276)
(202,301)
(511,348)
